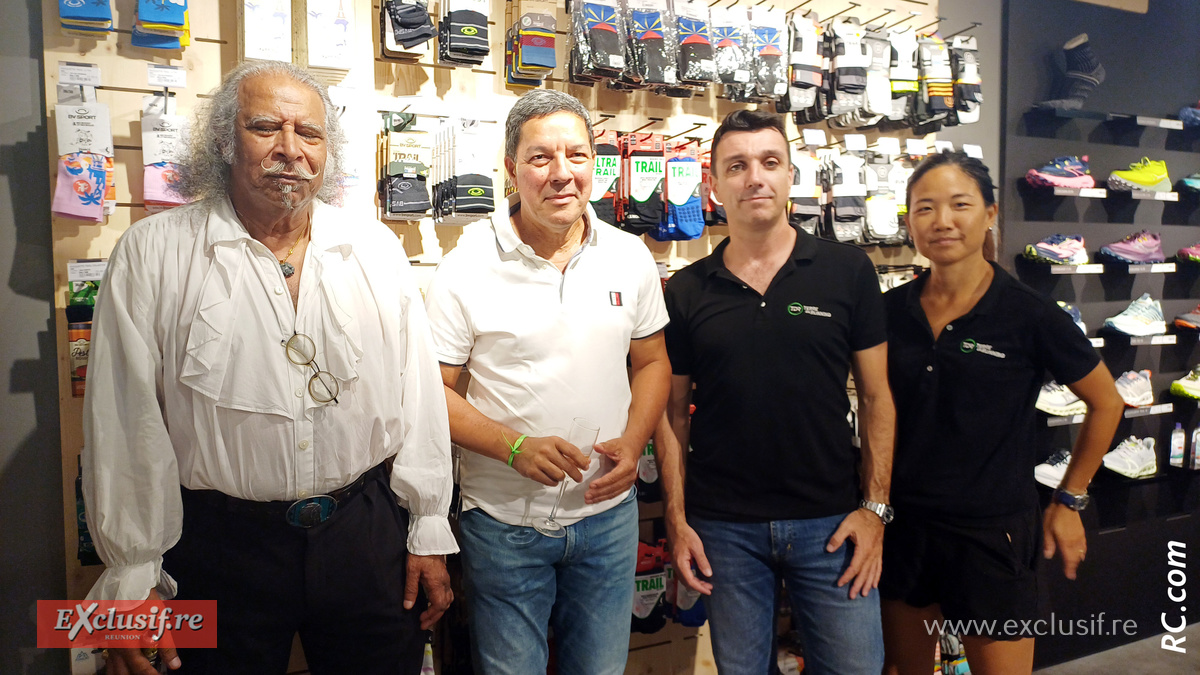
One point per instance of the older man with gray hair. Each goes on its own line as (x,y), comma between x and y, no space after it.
(264,425)
(542,309)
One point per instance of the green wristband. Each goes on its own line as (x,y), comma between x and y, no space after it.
(515,448)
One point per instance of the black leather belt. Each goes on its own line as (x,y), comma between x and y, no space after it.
(306,513)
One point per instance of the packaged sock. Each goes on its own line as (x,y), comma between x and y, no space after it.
(851,59)
(696,59)
(937,80)
(79,190)
(685,217)
(878,94)
(649,488)
(647,174)
(410,21)
(536,39)
(473,193)
(904,73)
(968,85)
(599,37)
(407,191)
(605,176)
(882,223)
(684,603)
(649,586)
(805,61)
(730,29)
(652,42)
(770,67)
(848,193)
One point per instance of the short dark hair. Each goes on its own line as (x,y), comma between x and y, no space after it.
(975,170)
(746,120)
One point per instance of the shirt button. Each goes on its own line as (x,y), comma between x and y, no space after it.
(303,445)
(302,494)
(764,303)
(929,368)
(279,290)
(299,393)
(949,326)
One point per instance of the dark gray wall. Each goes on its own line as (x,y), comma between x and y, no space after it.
(1130,521)
(31,522)
(958,14)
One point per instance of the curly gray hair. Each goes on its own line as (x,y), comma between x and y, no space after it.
(205,168)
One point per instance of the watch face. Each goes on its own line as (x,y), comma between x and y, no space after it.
(888,514)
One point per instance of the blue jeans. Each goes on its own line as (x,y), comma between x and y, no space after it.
(841,636)
(519,582)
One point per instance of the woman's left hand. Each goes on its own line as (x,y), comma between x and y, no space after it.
(1062,531)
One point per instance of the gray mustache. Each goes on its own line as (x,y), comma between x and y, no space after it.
(279,168)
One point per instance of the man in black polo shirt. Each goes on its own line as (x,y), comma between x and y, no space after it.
(768,327)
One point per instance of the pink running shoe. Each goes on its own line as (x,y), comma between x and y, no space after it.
(1064,172)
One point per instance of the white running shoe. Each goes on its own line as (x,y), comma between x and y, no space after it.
(1133,458)
(1142,317)
(1056,399)
(1134,387)
(1052,471)
(1188,385)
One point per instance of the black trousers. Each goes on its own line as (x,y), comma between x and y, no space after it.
(339,584)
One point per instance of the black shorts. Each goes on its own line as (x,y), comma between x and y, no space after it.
(976,569)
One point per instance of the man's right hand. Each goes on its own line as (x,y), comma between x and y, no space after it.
(132,662)
(686,549)
(549,459)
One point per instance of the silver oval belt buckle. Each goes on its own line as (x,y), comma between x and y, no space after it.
(311,511)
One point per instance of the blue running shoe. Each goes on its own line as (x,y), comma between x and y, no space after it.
(1190,116)
(1192,182)
(1064,172)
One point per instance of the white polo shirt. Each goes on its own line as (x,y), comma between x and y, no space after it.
(542,348)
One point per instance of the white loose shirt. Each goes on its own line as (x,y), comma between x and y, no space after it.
(542,347)
(189,384)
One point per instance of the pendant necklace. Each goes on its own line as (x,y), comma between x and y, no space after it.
(286,266)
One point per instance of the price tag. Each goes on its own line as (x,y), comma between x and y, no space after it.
(1162,268)
(943,146)
(915,147)
(1093,193)
(1097,342)
(86,269)
(85,74)
(855,142)
(1147,121)
(1163,340)
(1094,268)
(166,76)
(813,136)
(1171,124)
(975,151)
(889,146)
(1166,196)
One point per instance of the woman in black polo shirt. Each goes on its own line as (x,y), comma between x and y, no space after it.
(968,350)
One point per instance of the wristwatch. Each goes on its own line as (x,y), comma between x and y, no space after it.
(884,511)
(1074,502)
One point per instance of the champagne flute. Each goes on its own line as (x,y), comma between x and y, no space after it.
(583,435)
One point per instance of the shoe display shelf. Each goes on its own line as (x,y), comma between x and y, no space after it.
(1116,338)
(1130,413)
(1110,117)
(1105,193)
(1128,268)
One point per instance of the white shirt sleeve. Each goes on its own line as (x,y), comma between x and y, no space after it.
(652,308)
(130,477)
(452,335)
(421,476)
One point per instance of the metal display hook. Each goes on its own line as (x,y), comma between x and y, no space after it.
(911,15)
(974,24)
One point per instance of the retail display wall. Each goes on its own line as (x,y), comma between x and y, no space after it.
(1130,521)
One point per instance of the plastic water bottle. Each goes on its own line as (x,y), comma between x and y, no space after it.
(1196,447)
(1177,443)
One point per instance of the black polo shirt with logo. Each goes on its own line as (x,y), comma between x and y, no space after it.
(965,402)
(770,439)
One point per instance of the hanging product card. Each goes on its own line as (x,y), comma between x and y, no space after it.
(943,146)
(82,74)
(330,34)
(683,182)
(855,142)
(163,138)
(645,176)
(916,147)
(889,146)
(86,269)
(84,128)
(157,104)
(158,76)
(808,169)
(266,30)
(975,151)
(813,137)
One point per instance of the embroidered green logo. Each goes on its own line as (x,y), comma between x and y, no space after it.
(795,309)
(469,30)
(967,346)
(475,192)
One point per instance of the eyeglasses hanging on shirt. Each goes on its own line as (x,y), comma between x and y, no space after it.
(302,351)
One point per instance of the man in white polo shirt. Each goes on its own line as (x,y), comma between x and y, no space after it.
(542,308)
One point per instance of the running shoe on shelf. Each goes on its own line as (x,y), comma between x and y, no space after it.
(1137,248)
(1065,172)
(1133,458)
(1050,473)
(1142,317)
(1059,249)
(1190,320)
(1149,175)
(1188,385)
(1076,316)
(1057,399)
(1134,388)
(1189,254)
